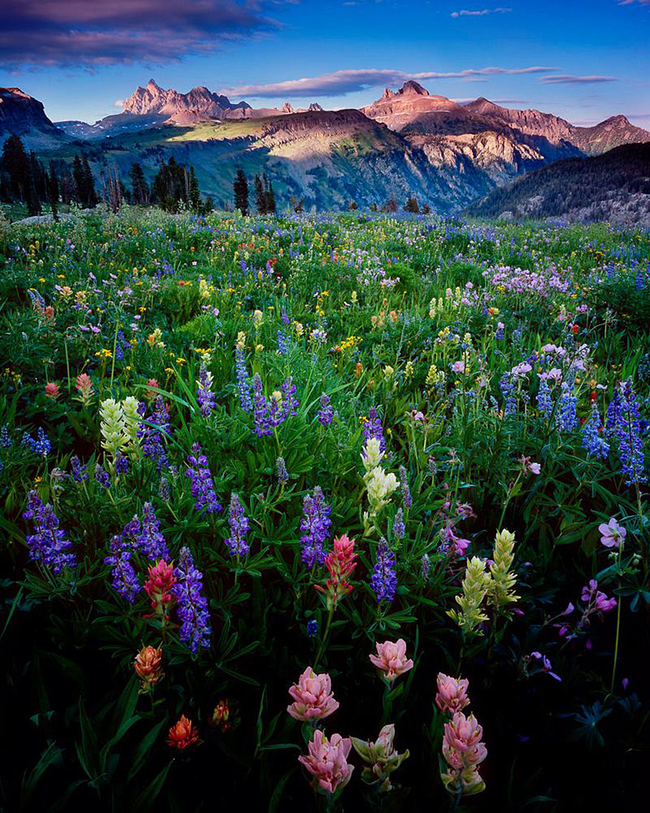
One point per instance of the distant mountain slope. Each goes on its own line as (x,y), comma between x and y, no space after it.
(614,186)
(25,116)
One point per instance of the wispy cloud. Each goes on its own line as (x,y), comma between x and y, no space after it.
(83,32)
(568,79)
(633,2)
(118,103)
(338,83)
(482,13)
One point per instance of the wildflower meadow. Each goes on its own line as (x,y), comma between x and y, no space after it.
(324,512)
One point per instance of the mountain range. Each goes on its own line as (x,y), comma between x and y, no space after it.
(407,143)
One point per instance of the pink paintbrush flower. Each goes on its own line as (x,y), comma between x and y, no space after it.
(463,752)
(391,659)
(312,696)
(452,693)
(327,762)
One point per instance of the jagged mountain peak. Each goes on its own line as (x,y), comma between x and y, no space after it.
(412,88)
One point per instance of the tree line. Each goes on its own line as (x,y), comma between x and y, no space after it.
(25,179)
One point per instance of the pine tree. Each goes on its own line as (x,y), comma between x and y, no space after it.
(260,196)
(91,195)
(139,187)
(270,197)
(240,188)
(53,191)
(35,188)
(16,163)
(412,205)
(81,194)
(195,194)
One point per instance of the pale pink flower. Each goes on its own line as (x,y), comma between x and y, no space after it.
(391,659)
(327,762)
(452,693)
(463,751)
(612,535)
(52,390)
(312,696)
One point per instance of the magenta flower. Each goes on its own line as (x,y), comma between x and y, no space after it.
(452,693)
(596,600)
(327,762)
(391,659)
(612,535)
(312,696)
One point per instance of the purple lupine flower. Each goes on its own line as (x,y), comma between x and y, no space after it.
(191,604)
(121,463)
(283,343)
(286,319)
(372,428)
(399,530)
(152,436)
(243,382)
(567,417)
(315,526)
(5,439)
(281,469)
(48,543)
(544,400)
(592,435)
(205,398)
(406,491)
(384,578)
(261,415)
(163,489)
(289,401)
(239,526)
(102,476)
(627,430)
(125,581)
(150,541)
(202,482)
(500,332)
(326,411)
(507,388)
(79,470)
(425,566)
(41,444)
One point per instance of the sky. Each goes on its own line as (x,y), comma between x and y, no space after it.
(584,61)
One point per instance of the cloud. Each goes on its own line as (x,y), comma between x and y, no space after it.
(465,13)
(88,33)
(339,83)
(632,2)
(567,79)
(118,103)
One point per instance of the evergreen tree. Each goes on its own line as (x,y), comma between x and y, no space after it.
(89,184)
(35,189)
(240,187)
(270,197)
(79,181)
(260,196)
(412,206)
(16,164)
(195,194)
(139,187)
(53,191)
(426,209)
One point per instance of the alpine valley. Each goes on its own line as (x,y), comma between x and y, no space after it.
(408,143)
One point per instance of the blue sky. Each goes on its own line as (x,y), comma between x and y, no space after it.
(584,61)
